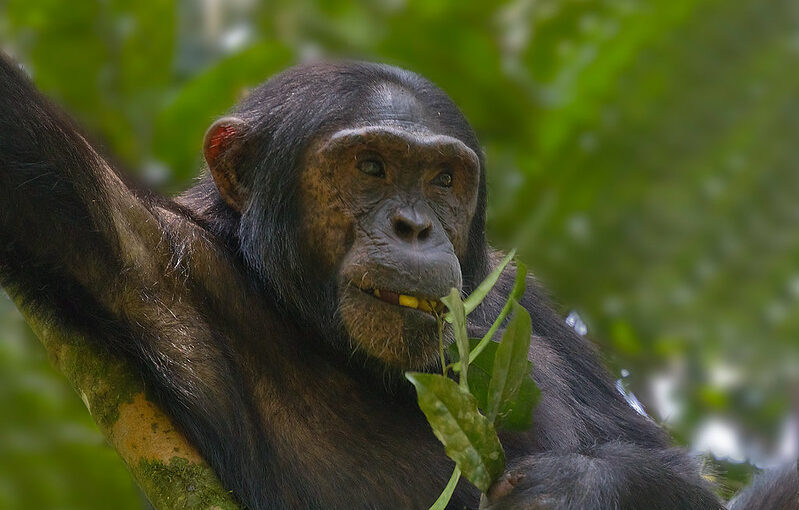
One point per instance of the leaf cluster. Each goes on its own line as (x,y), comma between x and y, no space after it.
(494,388)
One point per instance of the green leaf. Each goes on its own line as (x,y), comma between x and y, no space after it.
(458,314)
(443,499)
(510,363)
(479,379)
(468,437)
(476,297)
(520,415)
(519,286)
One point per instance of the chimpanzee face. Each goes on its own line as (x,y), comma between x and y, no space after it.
(389,205)
(383,197)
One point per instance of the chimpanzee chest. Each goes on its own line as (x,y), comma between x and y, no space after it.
(340,444)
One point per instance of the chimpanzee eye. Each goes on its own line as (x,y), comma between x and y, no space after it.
(444,179)
(373,167)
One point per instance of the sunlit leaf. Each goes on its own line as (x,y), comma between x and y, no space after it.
(468,437)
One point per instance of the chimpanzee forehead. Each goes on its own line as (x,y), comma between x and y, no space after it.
(401,134)
(390,113)
(391,103)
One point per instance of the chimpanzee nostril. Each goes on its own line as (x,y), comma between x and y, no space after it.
(411,226)
(403,230)
(424,233)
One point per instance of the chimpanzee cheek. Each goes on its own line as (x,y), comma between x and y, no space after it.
(327,225)
(456,225)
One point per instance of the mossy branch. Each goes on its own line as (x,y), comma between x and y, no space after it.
(168,469)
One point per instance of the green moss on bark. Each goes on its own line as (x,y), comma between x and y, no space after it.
(183,484)
(140,432)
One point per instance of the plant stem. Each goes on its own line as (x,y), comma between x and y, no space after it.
(446,495)
(441,344)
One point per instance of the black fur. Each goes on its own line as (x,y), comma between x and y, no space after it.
(283,115)
(216,311)
(772,490)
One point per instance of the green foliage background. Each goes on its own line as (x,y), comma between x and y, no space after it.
(643,156)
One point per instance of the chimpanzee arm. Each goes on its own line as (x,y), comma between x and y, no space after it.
(587,448)
(66,219)
(79,247)
(777,489)
(84,252)
(617,475)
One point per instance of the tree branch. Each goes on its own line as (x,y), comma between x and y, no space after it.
(168,469)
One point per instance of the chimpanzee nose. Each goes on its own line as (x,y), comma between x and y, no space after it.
(411,225)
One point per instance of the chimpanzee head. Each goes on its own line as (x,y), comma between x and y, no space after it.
(359,199)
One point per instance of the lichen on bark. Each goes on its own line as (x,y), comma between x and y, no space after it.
(164,464)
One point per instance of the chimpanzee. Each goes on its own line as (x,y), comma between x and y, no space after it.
(273,307)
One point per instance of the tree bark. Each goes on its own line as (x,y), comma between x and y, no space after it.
(168,469)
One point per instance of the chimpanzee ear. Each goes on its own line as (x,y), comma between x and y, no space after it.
(222,148)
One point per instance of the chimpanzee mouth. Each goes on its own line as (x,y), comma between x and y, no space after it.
(424,304)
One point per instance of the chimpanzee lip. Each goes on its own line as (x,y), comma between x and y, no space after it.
(424,304)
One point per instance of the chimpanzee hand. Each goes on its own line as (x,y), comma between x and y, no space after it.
(537,483)
(618,476)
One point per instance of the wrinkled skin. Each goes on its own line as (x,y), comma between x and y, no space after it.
(402,231)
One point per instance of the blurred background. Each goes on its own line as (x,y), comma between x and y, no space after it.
(642,155)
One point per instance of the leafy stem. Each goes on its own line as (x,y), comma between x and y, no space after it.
(516,294)
(499,391)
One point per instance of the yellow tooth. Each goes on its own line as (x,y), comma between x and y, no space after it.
(409,301)
(377,292)
(424,305)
